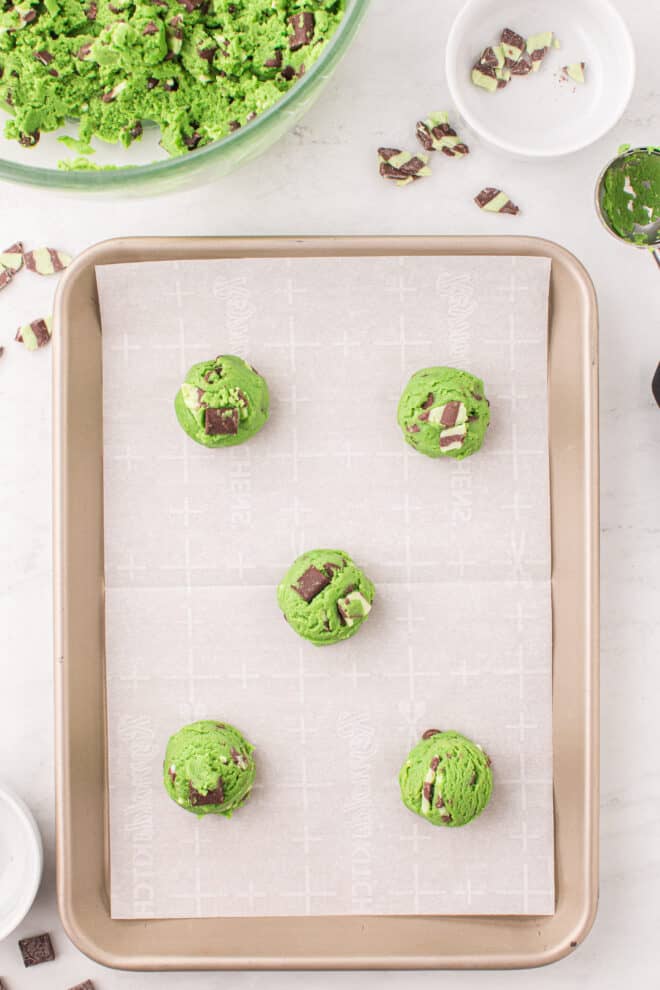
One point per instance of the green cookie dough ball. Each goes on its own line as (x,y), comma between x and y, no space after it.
(222,402)
(209,768)
(446,779)
(325,597)
(443,412)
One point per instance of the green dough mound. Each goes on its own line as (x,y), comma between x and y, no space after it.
(222,402)
(446,779)
(631,193)
(209,768)
(325,597)
(198,70)
(444,412)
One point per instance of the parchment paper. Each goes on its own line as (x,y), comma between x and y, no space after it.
(196,541)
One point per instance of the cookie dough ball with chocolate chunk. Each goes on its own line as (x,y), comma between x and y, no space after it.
(222,402)
(209,768)
(443,412)
(325,597)
(446,779)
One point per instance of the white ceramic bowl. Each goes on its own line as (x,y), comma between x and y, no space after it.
(21,861)
(539,116)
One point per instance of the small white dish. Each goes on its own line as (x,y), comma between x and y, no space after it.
(538,115)
(21,861)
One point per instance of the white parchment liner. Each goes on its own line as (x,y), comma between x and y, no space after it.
(196,541)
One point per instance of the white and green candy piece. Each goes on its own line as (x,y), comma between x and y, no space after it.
(402,166)
(485,77)
(513,45)
(35,334)
(11,258)
(495,201)
(436,134)
(353,607)
(46,261)
(574,71)
(538,46)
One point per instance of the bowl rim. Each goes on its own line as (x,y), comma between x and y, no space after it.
(456,87)
(124,177)
(34,857)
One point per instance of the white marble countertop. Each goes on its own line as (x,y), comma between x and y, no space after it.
(321,180)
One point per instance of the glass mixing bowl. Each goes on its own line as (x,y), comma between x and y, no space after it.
(148,170)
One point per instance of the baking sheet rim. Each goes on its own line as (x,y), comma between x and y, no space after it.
(127,249)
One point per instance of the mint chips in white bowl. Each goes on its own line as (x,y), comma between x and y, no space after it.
(544,113)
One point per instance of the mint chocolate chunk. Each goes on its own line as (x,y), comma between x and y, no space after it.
(221,422)
(311,583)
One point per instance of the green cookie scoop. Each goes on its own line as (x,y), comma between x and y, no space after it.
(446,779)
(443,412)
(209,768)
(630,195)
(325,597)
(222,402)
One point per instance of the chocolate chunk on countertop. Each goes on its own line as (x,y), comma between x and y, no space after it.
(37,949)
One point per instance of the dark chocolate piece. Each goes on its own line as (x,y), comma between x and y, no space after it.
(426,790)
(221,422)
(655,385)
(85,985)
(414,428)
(489,57)
(275,62)
(29,140)
(150,28)
(44,57)
(215,796)
(288,73)
(238,758)
(450,413)
(430,399)
(430,732)
(303,29)
(433,765)
(523,66)
(311,583)
(36,950)
(6,275)
(331,568)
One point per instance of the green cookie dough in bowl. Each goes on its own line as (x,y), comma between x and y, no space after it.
(209,768)
(158,92)
(443,412)
(222,402)
(325,597)
(447,779)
